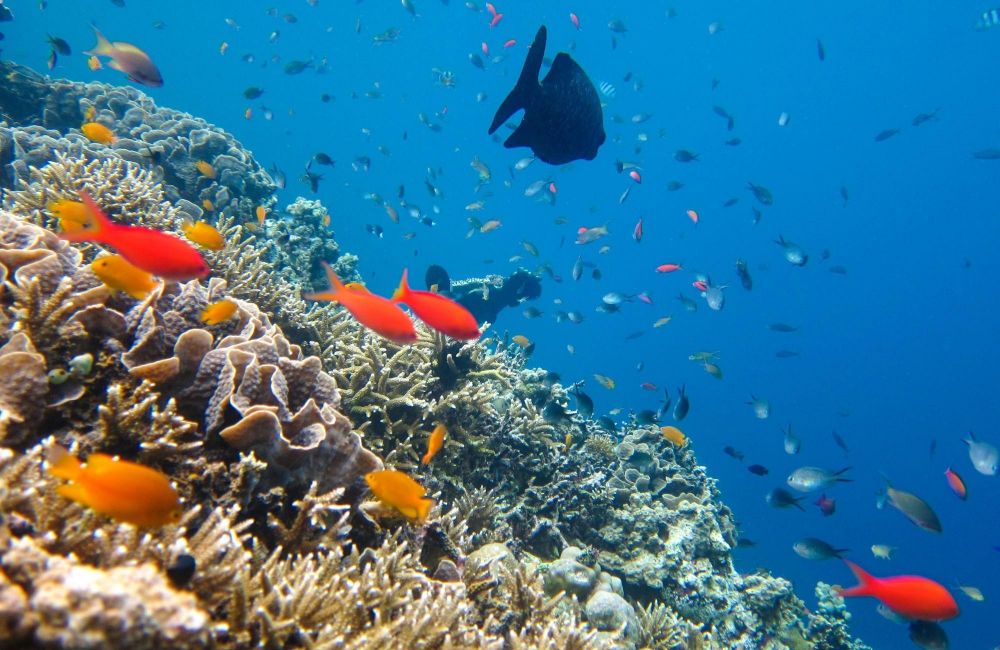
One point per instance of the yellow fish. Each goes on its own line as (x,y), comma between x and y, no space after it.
(121,490)
(218,312)
(94,63)
(607,382)
(89,115)
(713,369)
(399,491)
(490,225)
(261,214)
(521,340)
(883,551)
(973,592)
(67,210)
(434,443)
(663,321)
(120,275)
(205,169)
(204,234)
(208,205)
(97,132)
(674,435)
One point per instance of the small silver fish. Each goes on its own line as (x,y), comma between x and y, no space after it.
(983,455)
(809,479)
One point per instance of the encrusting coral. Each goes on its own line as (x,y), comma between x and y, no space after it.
(548,533)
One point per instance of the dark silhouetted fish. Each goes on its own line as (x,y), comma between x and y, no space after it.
(562,114)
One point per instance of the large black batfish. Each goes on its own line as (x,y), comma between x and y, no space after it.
(562,114)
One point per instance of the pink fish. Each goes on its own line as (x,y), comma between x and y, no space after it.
(634,175)
(496,20)
(510,43)
(637,231)
(573,18)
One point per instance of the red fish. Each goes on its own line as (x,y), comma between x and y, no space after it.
(486,48)
(636,176)
(441,313)
(956,483)
(700,285)
(496,20)
(382,316)
(914,597)
(573,18)
(153,251)
(648,386)
(668,268)
(637,231)
(510,43)
(826,505)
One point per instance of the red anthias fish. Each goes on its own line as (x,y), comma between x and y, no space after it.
(441,313)
(914,597)
(374,312)
(151,250)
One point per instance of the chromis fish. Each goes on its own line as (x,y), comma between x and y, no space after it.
(400,492)
(681,406)
(793,252)
(808,479)
(761,407)
(204,235)
(914,597)
(124,491)
(129,59)
(153,251)
(97,132)
(791,442)
(118,274)
(744,274)
(380,315)
(812,548)
(983,455)
(883,551)
(782,498)
(219,312)
(434,443)
(439,312)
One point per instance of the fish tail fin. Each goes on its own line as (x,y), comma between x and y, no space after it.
(841,479)
(839,552)
(103,46)
(865,582)
(63,464)
(403,290)
(971,439)
(94,229)
(798,505)
(333,293)
(527,83)
(424,508)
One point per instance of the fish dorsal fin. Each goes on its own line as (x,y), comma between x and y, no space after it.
(527,84)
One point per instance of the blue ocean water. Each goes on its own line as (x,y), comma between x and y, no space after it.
(899,352)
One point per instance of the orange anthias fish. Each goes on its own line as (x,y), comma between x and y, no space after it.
(119,275)
(204,234)
(434,443)
(441,313)
(153,251)
(73,212)
(218,312)
(205,169)
(97,132)
(121,490)
(399,491)
(127,58)
(914,597)
(382,316)
(956,483)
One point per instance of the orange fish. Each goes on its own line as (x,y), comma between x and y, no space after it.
(914,597)
(956,483)
(261,214)
(89,115)
(94,63)
(208,206)
(97,132)
(693,216)
(441,313)
(121,490)
(399,491)
(248,113)
(674,435)
(668,268)
(434,443)
(73,212)
(218,312)
(153,251)
(119,275)
(382,316)
(204,234)
(205,169)
(127,58)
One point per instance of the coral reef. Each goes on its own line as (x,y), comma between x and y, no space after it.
(550,531)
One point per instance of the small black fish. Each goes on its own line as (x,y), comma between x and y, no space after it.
(820,50)
(6,15)
(253,92)
(685,156)
(313,179)
(647,417)
(607,423)
(987,154)
(59,45)
(884,135)
(745,542)
(759,470)
(682,406)
(744,274)
(584,404)
(837,438)
(734,452)
(782,327)
(782,498)
(324,159)
(786,354)
(296,67)
(182,570)
(374,230)
(562,114)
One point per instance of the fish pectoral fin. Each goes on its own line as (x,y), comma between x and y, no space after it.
(75,493)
